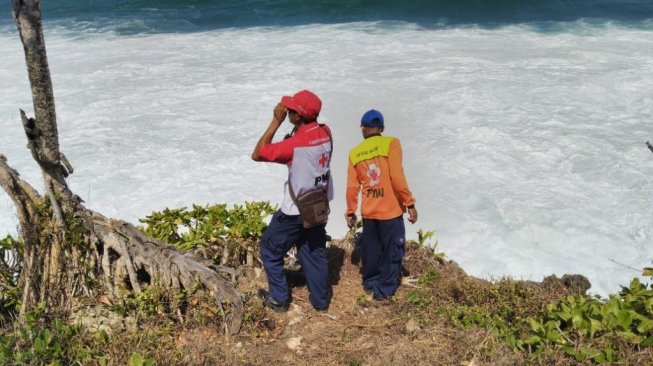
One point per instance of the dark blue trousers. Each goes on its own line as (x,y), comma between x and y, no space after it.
(284,232)
(382,250)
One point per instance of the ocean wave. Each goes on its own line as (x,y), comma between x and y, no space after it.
(160,16)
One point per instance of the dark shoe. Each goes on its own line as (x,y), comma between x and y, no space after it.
(321,310)
(380,302)
(387,299)
(278,306)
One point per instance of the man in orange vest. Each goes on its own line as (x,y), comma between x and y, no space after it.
(376,171)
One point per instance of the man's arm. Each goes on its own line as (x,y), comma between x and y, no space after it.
(279,115)
(398,179)
(353,187)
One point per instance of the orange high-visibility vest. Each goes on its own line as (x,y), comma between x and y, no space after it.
(376,171)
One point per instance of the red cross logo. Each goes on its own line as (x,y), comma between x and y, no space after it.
(374,175)
(323,160)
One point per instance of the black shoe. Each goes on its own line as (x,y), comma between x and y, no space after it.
(278,306)
(321,310)
(380,301)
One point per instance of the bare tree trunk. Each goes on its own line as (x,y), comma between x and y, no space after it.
(69,249)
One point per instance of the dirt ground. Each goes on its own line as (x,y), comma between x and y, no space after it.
(355,331)
(424,324)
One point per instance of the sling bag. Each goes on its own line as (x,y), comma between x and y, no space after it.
(313,205)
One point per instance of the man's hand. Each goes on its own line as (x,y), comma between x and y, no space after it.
(412,214)
(351,220)
(280,113)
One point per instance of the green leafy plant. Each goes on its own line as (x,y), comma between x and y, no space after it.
(207,224)
(230,233)
(10,266)
(424,240)
(163,305)
(423,236)
(362,300)
(40,341)
(137,360)
(354,361)
(593,328)
(418,298)
(429,277)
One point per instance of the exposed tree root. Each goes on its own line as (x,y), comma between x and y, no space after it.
(121,257)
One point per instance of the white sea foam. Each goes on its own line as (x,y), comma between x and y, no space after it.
(525,150)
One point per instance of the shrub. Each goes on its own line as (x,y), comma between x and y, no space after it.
(39,341)
(10,266)
(228,234)
(594,328)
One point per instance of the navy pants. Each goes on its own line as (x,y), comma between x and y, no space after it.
(284,232)
(382,250)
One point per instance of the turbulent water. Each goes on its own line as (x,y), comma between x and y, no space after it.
(523,122)
(137,16)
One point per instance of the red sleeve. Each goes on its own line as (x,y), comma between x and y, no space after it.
(279,152)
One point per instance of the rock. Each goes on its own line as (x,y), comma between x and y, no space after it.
(239,350)
(98,318)
(295,315)
(294,343)
(576,282)
(412,326)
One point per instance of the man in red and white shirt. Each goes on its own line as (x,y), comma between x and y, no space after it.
(307,153)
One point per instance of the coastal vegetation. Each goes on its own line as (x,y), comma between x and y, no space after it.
(503,321)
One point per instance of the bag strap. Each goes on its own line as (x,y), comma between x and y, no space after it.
(290,190)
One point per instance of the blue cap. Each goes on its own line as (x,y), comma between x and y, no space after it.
(372,118)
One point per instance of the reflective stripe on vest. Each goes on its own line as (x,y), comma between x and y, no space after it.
(370,148)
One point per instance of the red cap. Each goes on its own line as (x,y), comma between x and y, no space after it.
(305,103)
